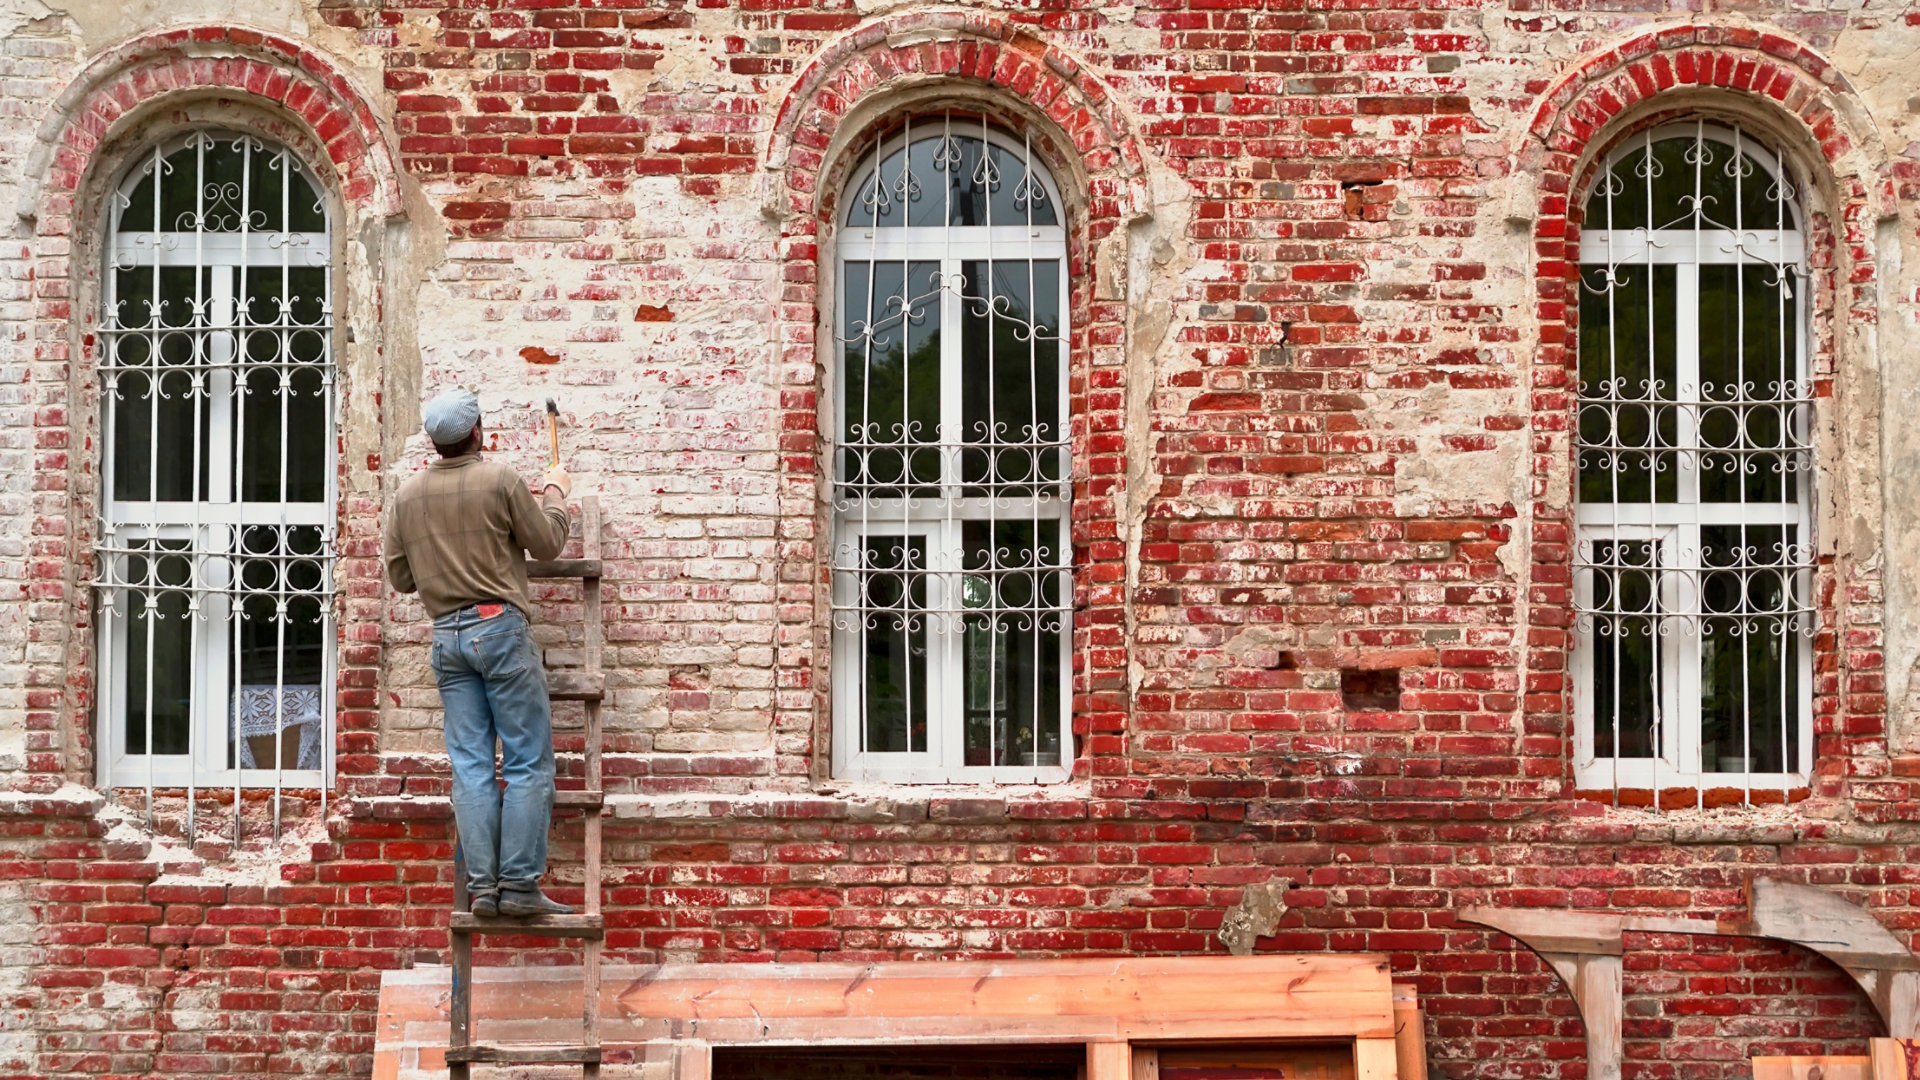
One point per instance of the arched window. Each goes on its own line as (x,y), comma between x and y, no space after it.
(952,588)
(1693,565)
(214,565)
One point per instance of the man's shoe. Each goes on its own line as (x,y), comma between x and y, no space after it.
(485,905)
(523,904)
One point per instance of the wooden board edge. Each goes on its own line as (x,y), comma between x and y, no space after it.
(1375,1059)
(1109,1061)
(693,1061)
(1889,1059)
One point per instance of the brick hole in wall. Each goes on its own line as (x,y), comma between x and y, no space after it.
(1370,689)
(1366,200)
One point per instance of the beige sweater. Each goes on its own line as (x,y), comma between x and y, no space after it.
(460,533)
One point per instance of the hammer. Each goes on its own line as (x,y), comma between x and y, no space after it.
(553,429)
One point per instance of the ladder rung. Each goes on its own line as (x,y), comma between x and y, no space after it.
(576,685)
(525,1055)
(559,926)
(585,799)
(551,568)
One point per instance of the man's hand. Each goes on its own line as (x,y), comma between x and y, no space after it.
(557,478)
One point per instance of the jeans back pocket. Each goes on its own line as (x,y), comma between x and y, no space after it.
(504,652)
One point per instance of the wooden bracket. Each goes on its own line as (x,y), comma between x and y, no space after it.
(1584,949)
(1847,935)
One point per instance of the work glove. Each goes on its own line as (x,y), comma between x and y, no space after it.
(557,478)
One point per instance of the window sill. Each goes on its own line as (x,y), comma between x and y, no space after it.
(1695,798)
(869,803)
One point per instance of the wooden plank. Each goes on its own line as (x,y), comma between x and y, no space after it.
(555,926)
(1673,924)
(1813,1068)
(1374,1059)
(1109,1061)
(539,1054)
(1409,1033)
(1334,995)
(1552,929)
(563,568)
(579,799)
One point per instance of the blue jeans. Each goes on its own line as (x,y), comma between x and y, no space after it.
(492,683)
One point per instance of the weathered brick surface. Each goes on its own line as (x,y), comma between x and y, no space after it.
(1321,390)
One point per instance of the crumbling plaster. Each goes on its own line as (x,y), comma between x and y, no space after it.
(446,305)
(1879,60)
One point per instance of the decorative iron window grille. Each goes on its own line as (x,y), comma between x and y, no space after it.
(1694,550)
(214,568)
(952,585)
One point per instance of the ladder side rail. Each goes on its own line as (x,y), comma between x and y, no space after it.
(460,1005)
(595,635)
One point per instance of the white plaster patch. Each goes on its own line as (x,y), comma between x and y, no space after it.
(103,23)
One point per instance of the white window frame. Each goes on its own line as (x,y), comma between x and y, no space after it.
(210,527)
(1676,527)
(941,519)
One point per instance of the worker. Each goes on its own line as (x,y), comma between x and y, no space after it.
(459,533)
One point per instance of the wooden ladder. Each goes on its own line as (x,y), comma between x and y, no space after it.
(585,684)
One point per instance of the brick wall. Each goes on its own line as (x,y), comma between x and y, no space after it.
(1320,388)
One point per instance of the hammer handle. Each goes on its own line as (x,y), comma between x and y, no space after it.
(553,435)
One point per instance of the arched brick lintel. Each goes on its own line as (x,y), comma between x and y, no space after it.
(305,82)
(847,79)
(1793,80)
(977,45)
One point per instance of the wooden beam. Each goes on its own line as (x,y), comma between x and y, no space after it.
(1306,996)
(1322,997)
(693,1061)
(539,1054)
(1889,1057)
(1828,924)
(1553,930)
(1109,1061)
(1146,1063)
(1597,990)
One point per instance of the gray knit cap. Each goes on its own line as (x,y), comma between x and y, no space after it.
(450,416)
